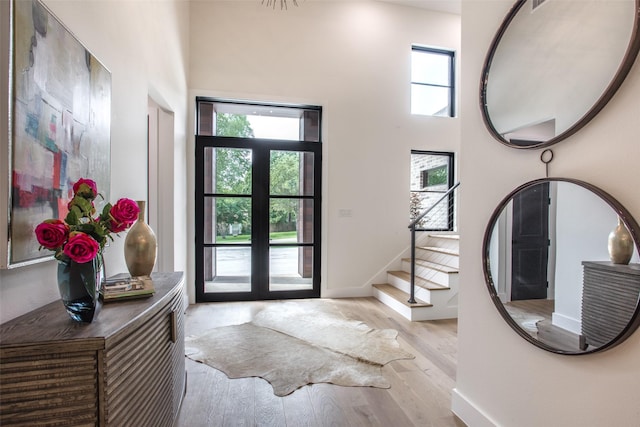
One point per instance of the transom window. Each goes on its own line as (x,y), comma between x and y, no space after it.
(245,119)
(432,81)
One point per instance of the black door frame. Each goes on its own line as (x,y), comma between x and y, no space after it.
(260,245)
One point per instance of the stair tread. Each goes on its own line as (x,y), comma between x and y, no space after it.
(438,249)
(433,265)
(400,295)
(445,236)
(423,283)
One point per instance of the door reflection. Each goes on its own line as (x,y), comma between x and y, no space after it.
(536,246)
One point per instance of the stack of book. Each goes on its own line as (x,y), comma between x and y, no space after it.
(123,288)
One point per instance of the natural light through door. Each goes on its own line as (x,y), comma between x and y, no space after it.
(258,178)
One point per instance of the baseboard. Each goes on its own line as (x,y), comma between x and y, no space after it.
(566,322)
(365,291)
(470,414)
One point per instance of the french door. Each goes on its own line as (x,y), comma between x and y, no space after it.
(257,219)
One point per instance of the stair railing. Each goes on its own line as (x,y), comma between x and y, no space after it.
(413,226)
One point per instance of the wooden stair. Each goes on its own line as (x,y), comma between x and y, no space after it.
(400,296)
(423,283)
(436,282)
(447,251)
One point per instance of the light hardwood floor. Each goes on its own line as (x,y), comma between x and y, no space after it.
(420,393)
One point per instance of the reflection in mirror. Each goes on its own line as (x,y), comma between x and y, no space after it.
(548,268)
(554,64)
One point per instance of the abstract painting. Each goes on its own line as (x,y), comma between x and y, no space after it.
(59,127)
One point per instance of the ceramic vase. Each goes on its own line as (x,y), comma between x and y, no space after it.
(79,286)
(140,246)
(620,244)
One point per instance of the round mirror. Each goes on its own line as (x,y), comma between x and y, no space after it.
(553,65)
(548,267)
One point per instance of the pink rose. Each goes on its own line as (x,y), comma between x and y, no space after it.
(117,227)
(86,188)
(81,247)
(125,211)
(52,233)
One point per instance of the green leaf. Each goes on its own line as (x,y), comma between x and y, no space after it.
(106,215)
(83,204)
(72,216)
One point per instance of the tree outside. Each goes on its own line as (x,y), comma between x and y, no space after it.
(233,176)
(285,180)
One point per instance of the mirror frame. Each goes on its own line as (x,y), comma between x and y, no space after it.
(623,70)
(627,219)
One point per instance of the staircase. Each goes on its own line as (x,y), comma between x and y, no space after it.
(436,282)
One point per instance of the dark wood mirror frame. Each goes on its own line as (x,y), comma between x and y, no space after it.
(590,112)
(623,214)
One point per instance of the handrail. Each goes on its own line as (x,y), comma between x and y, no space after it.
(412,227)
(422,215)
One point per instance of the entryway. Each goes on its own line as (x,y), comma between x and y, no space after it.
(212,399)
(257,209)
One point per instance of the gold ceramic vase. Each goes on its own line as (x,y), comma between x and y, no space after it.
(140,246)
(620,244)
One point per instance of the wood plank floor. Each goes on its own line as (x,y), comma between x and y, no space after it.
(420,393)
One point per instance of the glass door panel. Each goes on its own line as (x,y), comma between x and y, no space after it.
(290,221)
(291,173)
(227,208)
(228,263)
(291,188)
(227,170)
(290,268)
(227,220)
(227,269)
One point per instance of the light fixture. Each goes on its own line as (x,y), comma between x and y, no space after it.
(283,3)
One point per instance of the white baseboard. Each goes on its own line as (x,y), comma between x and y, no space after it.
(365,291)
(470,414)
(566,322)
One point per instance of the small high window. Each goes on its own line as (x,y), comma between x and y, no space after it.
(432,81)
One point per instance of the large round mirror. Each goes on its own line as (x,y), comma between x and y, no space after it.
(553,65)
(548,266)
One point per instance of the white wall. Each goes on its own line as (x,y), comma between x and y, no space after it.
(145,46)
(585,222)
(531,95)
(353,59)
(502,379)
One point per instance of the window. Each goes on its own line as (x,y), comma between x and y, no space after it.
(432,82)
(244,119)
(432,175)
(435,176)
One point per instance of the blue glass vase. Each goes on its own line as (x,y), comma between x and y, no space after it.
(79,286)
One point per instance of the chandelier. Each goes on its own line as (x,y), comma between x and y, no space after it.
(283,3)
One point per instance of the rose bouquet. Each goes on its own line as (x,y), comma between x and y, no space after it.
(81,236)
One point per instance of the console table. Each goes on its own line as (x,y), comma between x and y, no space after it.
(609,300)
(125,368)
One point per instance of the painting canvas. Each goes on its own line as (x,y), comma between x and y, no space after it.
(59,125)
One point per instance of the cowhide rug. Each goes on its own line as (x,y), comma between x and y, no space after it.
(292,344)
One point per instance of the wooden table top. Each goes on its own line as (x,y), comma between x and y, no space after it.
(52,324)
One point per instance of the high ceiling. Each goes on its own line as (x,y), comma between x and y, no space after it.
(448,6)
